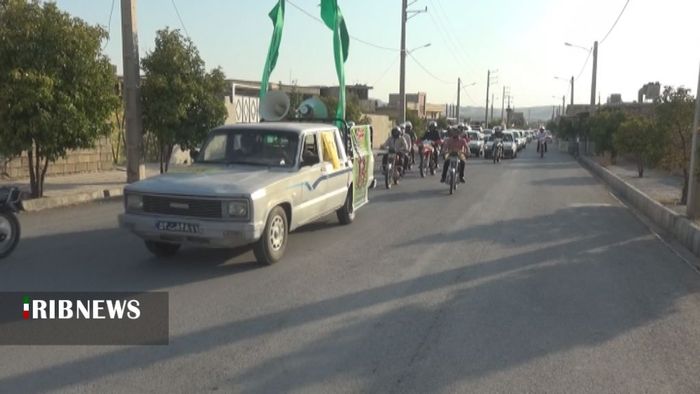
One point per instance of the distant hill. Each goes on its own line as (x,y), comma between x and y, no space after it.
(533,114)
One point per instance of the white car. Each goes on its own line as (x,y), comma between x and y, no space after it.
(476,143)
(510,145)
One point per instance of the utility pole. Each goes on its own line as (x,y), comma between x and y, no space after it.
(563,105)
(595,72)
(402,76)
(135,169)
(503,104)
(492,100)
(572,90)
(488,85)
(694,188)
(459,91)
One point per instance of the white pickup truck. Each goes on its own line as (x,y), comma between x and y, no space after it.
(253,184)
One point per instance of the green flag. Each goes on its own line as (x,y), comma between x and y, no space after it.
(333,18)
(277,16)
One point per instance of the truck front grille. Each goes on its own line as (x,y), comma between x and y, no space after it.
(210,209)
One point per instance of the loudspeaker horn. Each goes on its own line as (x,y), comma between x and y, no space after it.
(275,106)
(312,108)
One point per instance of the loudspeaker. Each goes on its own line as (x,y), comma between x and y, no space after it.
(312,108)
(275,106)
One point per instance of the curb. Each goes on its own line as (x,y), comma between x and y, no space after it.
(686,231)
(41,204)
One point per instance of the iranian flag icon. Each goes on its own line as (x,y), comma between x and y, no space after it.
(25,313)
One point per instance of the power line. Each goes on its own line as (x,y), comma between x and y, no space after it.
(317,19)
(109,25)
(427,71)
(616,20)
(584,65)
(383,74)
(180,18)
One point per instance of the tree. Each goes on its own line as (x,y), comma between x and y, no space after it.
(181,101)
(639,137)
(603,125)
(674,116)
(353,110)
(56,87)
(442,123)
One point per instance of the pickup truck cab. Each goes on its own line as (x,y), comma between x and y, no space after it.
(253,184)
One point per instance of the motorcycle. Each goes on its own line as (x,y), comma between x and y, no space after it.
(393,168)
(10,205)
(453,159)
(428,157)
(497,151)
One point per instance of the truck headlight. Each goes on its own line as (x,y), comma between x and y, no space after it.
(236,209)
(134,202)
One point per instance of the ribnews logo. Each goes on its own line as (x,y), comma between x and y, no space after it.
(71,318)
(63,309)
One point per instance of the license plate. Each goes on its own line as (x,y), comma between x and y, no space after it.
(178,227)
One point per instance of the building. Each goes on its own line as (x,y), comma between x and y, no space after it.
(414,101)
(434,111)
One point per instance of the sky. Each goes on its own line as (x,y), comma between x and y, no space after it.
(523,40)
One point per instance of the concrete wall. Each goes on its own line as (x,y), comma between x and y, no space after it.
(82,160)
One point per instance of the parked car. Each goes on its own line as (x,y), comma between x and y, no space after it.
(252,184)
(476,143)
(522,140)
(510,145)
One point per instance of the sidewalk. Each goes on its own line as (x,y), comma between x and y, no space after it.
(658,184)
(74,189)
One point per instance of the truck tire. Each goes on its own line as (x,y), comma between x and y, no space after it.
(162,249)
(270,247)
(346,214)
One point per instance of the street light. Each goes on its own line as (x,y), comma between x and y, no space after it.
(417,48)
(595,65)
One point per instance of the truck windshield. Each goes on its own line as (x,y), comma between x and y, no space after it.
(251,147)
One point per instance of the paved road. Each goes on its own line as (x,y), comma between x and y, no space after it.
(532,278)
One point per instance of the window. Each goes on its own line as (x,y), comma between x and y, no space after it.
(216,149)
(251,147)
(309,154)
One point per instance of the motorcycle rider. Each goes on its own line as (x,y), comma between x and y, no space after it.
(433,135)
(497,137)
(396,142)
(541,140)
(455,144)
(412,138)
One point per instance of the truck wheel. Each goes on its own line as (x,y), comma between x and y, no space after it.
(162,249)
(271,245)
(346,214)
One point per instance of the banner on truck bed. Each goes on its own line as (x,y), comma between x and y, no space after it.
(363,164)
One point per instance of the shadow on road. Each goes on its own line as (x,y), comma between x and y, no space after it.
(581,285)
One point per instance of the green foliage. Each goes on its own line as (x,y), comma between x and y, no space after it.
(353,110)
(57,90)
(181,101)
(419,124)
(603,125)
(442,123)
(674,116)
(640,138)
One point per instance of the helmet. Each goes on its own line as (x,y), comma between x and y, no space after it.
(453,132)
(432,125)
(461,127)
(408,126)
(396,132)
(497,129)
(541,128)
